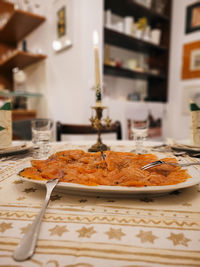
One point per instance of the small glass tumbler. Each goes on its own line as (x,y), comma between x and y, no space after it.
(139,130)
(41,136)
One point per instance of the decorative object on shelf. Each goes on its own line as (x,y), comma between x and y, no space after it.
(155,71)
(120,26)
(191,60)
(140,27)
(107,55)
(96,120)
(24,46)
(20,102)
(193,18)
(128,25)
(132,64)
(195,121)
(19,78)
(141,24)
(159,6)
(63,26)
(118,63)
(190,93)
(155,36)
(108,18)
(146,34)
(146,3)
(5,125)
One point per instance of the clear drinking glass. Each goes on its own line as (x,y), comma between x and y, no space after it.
(139,129)
(42,130)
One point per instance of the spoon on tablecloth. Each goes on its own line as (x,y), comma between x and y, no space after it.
(27,244)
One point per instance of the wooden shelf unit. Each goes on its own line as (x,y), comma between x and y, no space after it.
(19,24)
(158,54)
(131,74)
(20,114)
(20,59)
(130,8)
(122,40)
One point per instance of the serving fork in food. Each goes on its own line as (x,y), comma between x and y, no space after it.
(160,162)
(27,244)
(103,156)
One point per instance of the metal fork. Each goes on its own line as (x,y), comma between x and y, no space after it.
(160,162)
(103,156)
(27,245)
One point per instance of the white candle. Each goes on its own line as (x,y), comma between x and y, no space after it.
(96,58)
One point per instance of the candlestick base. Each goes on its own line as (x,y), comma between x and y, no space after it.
(98,125)
(98,147)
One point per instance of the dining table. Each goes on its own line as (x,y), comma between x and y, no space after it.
(98,229)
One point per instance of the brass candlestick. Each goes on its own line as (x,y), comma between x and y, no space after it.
(96,122)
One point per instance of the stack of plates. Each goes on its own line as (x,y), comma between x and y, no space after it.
(192,150)
(16,148)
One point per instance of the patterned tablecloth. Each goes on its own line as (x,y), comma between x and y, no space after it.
(98,231)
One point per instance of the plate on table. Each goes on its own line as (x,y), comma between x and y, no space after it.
(122,191)
(16,148)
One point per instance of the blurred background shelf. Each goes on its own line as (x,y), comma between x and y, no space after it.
(145,55)
(130,8)
(16,25)
(19,24)
(18,94)
(121,72)
(20,59)
(20,114)
(122,40)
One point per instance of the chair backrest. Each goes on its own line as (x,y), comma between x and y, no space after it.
(62,128)
(22,130)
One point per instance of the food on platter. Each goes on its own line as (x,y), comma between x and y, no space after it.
(117,169)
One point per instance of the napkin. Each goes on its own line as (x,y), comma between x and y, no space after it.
(5,125)
(191,150)
(195,117)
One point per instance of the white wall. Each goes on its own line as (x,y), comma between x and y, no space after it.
(66,78)
(178,125)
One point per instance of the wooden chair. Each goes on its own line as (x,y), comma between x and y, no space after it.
(21,130)
(62,128)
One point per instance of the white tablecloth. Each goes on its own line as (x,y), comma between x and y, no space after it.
(98,231)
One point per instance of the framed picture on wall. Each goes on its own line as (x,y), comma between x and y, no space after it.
(62,24)
(191,61)
(193,18)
